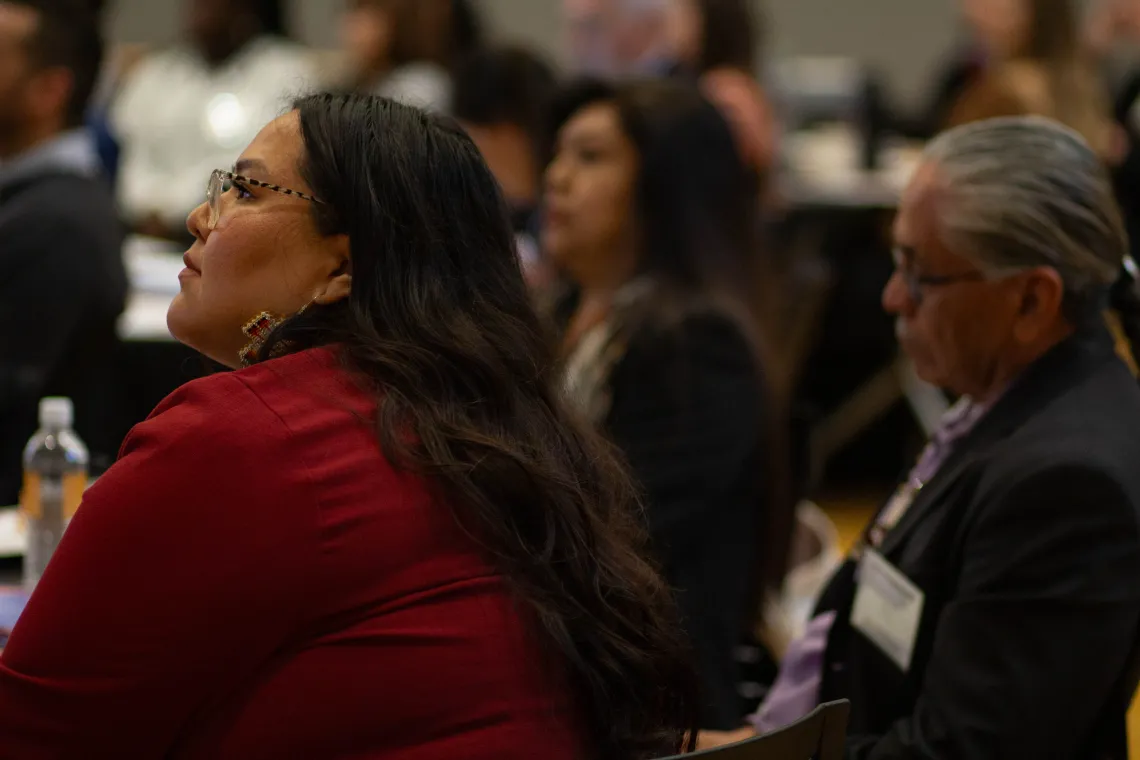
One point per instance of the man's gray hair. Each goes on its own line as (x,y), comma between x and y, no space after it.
(1023,192)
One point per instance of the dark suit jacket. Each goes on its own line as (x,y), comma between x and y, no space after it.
(1027,547)
(62,288)
(687,411)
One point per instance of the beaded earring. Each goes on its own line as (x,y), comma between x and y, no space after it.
(258,331)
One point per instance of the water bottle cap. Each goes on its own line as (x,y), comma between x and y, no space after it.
(56,412)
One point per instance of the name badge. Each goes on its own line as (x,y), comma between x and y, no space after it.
(887,608)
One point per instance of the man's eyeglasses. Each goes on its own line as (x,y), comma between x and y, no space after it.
(221,181)
(917,284)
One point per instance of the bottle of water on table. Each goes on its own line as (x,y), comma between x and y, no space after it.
(55,476)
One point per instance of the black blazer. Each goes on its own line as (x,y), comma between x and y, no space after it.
(687,411)
(62,288)
(1027,547)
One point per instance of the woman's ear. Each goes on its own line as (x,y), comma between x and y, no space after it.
(337,289)
(339,282)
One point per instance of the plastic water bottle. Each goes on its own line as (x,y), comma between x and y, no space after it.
(55,476)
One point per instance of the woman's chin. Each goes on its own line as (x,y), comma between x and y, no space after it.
(175,316)
(180,322)
(198,336)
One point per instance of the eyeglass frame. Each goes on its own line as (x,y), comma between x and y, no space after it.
(215,191)
(916,283)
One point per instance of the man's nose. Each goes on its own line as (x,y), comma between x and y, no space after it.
(896,297)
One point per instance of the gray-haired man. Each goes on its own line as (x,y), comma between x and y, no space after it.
(992,609)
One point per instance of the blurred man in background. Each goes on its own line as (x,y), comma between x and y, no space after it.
(186,111)
(62,283)
(991,609)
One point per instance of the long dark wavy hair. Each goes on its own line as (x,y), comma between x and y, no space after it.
(440,323)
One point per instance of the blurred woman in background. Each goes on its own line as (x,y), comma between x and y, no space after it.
(652,216)
(385,537)
(406,49)
(717,42)
(987,29)
(1038,65)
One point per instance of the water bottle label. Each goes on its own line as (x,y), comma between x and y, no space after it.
(36,491)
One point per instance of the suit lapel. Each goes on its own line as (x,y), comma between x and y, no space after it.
(930,494)
(1052,375)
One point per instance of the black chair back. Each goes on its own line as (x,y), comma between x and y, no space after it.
(819,735)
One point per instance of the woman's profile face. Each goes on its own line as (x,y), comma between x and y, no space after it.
(588,224)
(263,254)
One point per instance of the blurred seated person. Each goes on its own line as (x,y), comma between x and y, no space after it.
(651,214)
(716,42)
(1043,69)
(711,41)
(62,283)
(618,39)
(185,110)
(991,609)
(990,27)
(406,49)
(502,98)
(403,545)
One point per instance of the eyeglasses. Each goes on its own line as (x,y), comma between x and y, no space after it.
(916,283)
(221,181)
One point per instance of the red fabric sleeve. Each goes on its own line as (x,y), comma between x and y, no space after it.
(193,533)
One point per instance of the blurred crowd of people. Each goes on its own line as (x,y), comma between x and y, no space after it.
(642,185)
(620,195)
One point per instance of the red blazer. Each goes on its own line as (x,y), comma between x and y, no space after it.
(253,580)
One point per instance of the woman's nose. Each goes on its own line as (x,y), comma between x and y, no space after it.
(198,222)
(555,177)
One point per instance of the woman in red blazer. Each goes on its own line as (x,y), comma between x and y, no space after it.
(384,537)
